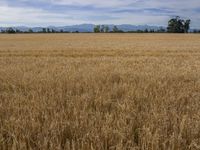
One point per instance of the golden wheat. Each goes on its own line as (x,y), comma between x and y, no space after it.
(100,91)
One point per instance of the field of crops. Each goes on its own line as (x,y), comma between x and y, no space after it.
(100,91)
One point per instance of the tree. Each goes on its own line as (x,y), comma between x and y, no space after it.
(97,29)
(146,30)
(161,30)
(115,29)
(139,31)
(196,31)
(107,29)
(152,31)
(102,28)
(53,31)
(30,30)
(10,30)
(187,25)
(3,31)
(18,31)
(177,25)
(48,30)
(44,30)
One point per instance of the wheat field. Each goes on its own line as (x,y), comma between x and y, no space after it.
(100,92)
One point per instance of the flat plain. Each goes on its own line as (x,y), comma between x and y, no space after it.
(100,91)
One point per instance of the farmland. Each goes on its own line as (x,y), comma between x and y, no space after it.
(100,91)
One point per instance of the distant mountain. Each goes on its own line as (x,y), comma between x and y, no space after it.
(87,28)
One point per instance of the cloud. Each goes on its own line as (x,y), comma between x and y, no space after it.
(33,17)
(65,12)
(97,3)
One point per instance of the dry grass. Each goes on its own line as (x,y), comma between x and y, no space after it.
(100,92)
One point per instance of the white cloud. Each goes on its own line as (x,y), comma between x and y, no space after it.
(96,3)
(33,17)
(102,11)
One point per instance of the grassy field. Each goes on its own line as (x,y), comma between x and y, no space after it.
(100,91)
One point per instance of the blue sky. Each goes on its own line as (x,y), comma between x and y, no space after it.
(69,12)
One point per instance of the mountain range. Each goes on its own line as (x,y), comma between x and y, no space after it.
(87,28)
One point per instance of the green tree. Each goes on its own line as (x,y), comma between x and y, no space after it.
(53,31)
(177,25)
(161,30)
(146,31)
(107,29)
(44,30)
(152,31)
(10,30)
(18,31)
(48,30)
(187,25)
(3,31)
(97,29)
(115,29)
(196,31)
(30,31)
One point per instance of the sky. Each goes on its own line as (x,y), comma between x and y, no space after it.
(70,12)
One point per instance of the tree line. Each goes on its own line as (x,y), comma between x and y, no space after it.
(106,29)
(175,25)
(44,30)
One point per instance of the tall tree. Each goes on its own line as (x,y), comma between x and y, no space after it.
(187,25)
(177,25)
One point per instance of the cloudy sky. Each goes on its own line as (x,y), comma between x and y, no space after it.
(68,12)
